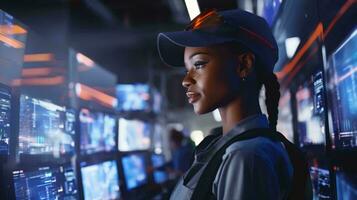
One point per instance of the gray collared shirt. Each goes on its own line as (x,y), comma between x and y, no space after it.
(253,169)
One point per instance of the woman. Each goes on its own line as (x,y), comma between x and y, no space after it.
(228,57)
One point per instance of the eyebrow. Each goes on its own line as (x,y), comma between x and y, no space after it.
(197,54)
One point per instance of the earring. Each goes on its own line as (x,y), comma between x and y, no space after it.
(243,78)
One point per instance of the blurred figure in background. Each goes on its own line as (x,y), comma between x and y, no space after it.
(182,149)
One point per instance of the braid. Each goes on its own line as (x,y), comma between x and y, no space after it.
(272,93)
(272,96)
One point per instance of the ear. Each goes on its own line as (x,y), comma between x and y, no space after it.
(246,64)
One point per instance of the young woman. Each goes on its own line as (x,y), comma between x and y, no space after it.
(228,56)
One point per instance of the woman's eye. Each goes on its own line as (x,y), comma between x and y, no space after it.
(199,64)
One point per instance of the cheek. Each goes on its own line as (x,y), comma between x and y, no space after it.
(217,90)
(222,93)
(222,81)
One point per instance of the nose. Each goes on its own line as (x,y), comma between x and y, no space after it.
(187,81)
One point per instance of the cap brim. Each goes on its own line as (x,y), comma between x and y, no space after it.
(171,45)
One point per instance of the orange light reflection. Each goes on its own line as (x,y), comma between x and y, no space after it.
(11,42)
(87,93)
(12,29)
(87,62)
(43,57)
(45,71)
(57,80)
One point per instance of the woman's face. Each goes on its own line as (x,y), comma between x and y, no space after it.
(211,75)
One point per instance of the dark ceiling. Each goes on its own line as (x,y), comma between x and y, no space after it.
(118,35)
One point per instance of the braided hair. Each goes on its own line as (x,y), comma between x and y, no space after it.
(272,96)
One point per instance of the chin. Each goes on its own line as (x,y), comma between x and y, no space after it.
(199,110)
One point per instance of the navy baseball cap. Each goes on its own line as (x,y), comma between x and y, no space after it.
(230,26)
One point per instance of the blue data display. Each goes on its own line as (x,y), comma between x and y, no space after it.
(98,131)
(310,111)
(321,185)
(343,93)
(133,135)
(346,185)
(5,111)
(46,183)
(134,170)
(100,181)
(158,160)
(133,97)
(45,128)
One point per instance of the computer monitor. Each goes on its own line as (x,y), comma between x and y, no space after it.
(133,135)
(5,113)
(133,97)
(46,183)
(134,167)
(100,181)
(158,160)
(342,85)
(285,118)
(45,128)
(310,111)
(321,184)
(97,131)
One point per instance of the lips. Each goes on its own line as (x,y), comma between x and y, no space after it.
(192,96)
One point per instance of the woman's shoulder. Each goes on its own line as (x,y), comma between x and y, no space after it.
(259,146)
